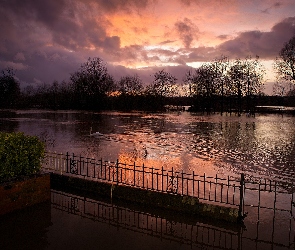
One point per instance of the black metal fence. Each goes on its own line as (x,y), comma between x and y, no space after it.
(228,191)
(242,193)
(277,196)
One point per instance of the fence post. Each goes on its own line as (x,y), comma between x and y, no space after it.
(181,182)
(152,178)
(241,205)
(67,162)
(143,175)
(117,167)
(61,163)
(162,179)
(193,194)
(134,168)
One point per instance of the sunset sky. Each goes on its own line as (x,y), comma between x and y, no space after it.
(49,39)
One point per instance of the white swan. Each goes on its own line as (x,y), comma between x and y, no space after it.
(95,133)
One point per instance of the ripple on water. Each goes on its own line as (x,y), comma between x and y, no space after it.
(264,145)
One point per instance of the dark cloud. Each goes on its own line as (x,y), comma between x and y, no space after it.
(147,73)
(42,39)
(132,53)
(19,57)
(274,6)
(264,44)
(164,52)
(112,43)
(188,3)
(49,64)
(73,26)
(44,11)
(222,37)
(202,54)
(47,40)
(187,31)
(167,42)
(119,71)
(119,5)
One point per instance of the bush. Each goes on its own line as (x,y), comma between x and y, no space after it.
(20,155)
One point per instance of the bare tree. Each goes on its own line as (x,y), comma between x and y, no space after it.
(163,84)
(209,79)
(246,79)
(9,88)
(255,73)
(92,82)
(188,81)
(284,65)
(282,88)
(203,81)
(130,85)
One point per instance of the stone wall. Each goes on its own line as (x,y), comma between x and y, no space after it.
(175,202)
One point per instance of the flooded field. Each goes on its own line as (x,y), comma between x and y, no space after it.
(262,146)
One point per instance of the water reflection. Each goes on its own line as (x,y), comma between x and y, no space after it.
(75,220)
(156,228)
(27,228)
(262,146)
(7,121)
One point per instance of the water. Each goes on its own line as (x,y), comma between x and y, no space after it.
(261,146)
(74,221)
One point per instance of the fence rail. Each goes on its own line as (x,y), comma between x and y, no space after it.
(241,193)
(207,188)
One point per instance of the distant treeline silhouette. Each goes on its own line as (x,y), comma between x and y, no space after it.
(222,85)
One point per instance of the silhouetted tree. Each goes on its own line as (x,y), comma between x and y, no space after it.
(188,81)
(92,83)
(130,90)
(29,90)
(237,80)
(291,93)
(285,63)
(163,85)
(203,85)
(130,85)
(220,67)
(9,88)
(246,78)
(254,72)
(282,87)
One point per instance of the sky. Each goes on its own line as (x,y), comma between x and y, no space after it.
(48,40)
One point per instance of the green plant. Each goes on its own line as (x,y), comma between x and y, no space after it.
(20,154)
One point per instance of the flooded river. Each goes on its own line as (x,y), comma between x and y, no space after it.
(260,146)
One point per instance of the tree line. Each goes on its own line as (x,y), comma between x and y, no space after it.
(220,85)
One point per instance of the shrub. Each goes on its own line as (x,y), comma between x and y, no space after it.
(20,155)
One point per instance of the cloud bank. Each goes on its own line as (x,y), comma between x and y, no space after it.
(47,40)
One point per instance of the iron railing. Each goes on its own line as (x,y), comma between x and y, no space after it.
(227,191)
(243,193)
